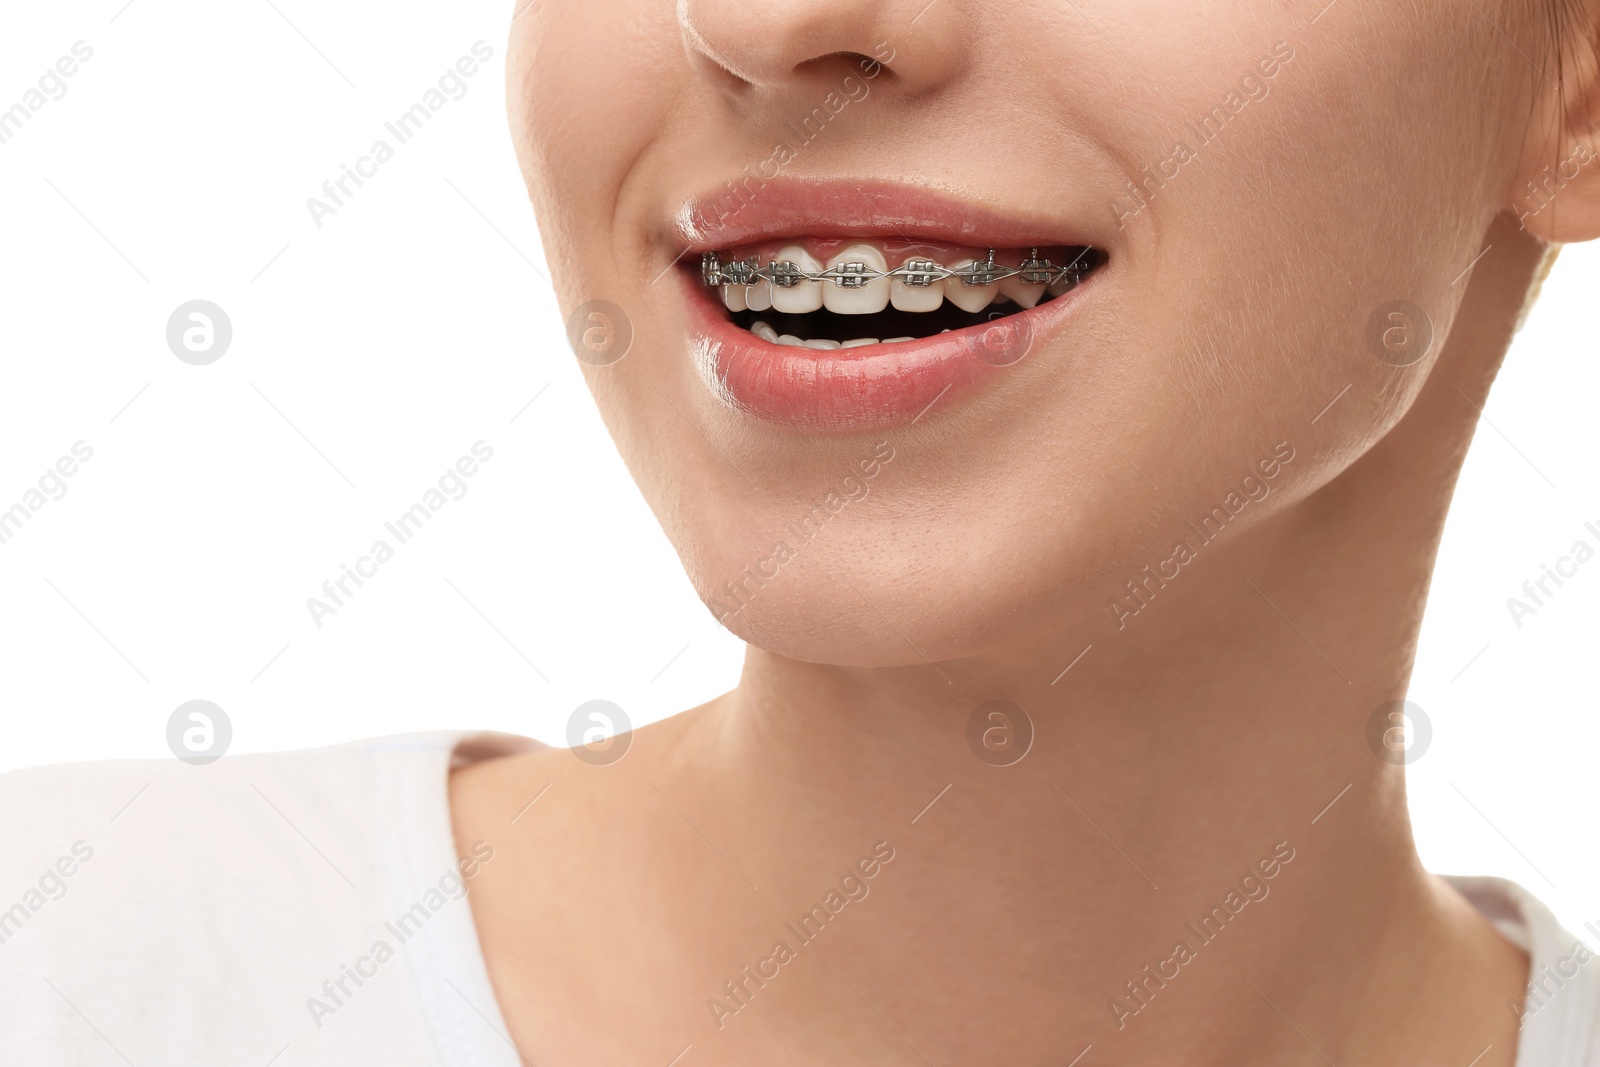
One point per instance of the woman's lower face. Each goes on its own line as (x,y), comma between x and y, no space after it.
(1193,262)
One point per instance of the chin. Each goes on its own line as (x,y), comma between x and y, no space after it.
(876,595)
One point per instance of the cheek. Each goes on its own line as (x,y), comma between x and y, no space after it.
(1260,269)
(577,142)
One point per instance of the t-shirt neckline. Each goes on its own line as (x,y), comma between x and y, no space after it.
(451,975)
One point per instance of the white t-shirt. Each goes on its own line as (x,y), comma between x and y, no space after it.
(310,908)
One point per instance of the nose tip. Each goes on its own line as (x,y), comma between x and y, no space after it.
(774,44)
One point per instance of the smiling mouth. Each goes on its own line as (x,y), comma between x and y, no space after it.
(833,305)
(800,295)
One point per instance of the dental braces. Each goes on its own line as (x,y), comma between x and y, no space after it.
(917,273)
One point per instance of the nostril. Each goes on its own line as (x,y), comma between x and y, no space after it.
(836,65)
(848,59)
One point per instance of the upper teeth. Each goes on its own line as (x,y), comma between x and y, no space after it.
(861,286)
(968,294)
(796,298)
(862,283)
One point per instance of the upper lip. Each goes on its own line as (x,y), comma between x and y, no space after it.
(790,207)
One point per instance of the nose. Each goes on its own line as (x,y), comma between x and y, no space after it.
(777,44)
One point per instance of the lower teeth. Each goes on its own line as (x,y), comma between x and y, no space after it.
(765,331)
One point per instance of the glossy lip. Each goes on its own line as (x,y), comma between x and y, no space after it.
(788,207)
(873,385)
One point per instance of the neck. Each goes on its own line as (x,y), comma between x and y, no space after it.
(1221,734)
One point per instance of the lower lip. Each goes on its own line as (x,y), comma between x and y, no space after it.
(874,385)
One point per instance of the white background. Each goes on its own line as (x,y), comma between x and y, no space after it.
(370,353)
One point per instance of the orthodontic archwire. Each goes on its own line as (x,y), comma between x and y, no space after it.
(917,273)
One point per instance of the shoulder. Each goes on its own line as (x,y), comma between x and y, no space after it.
(80,789)
(192,822)
(1559,1017)
(196,909)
